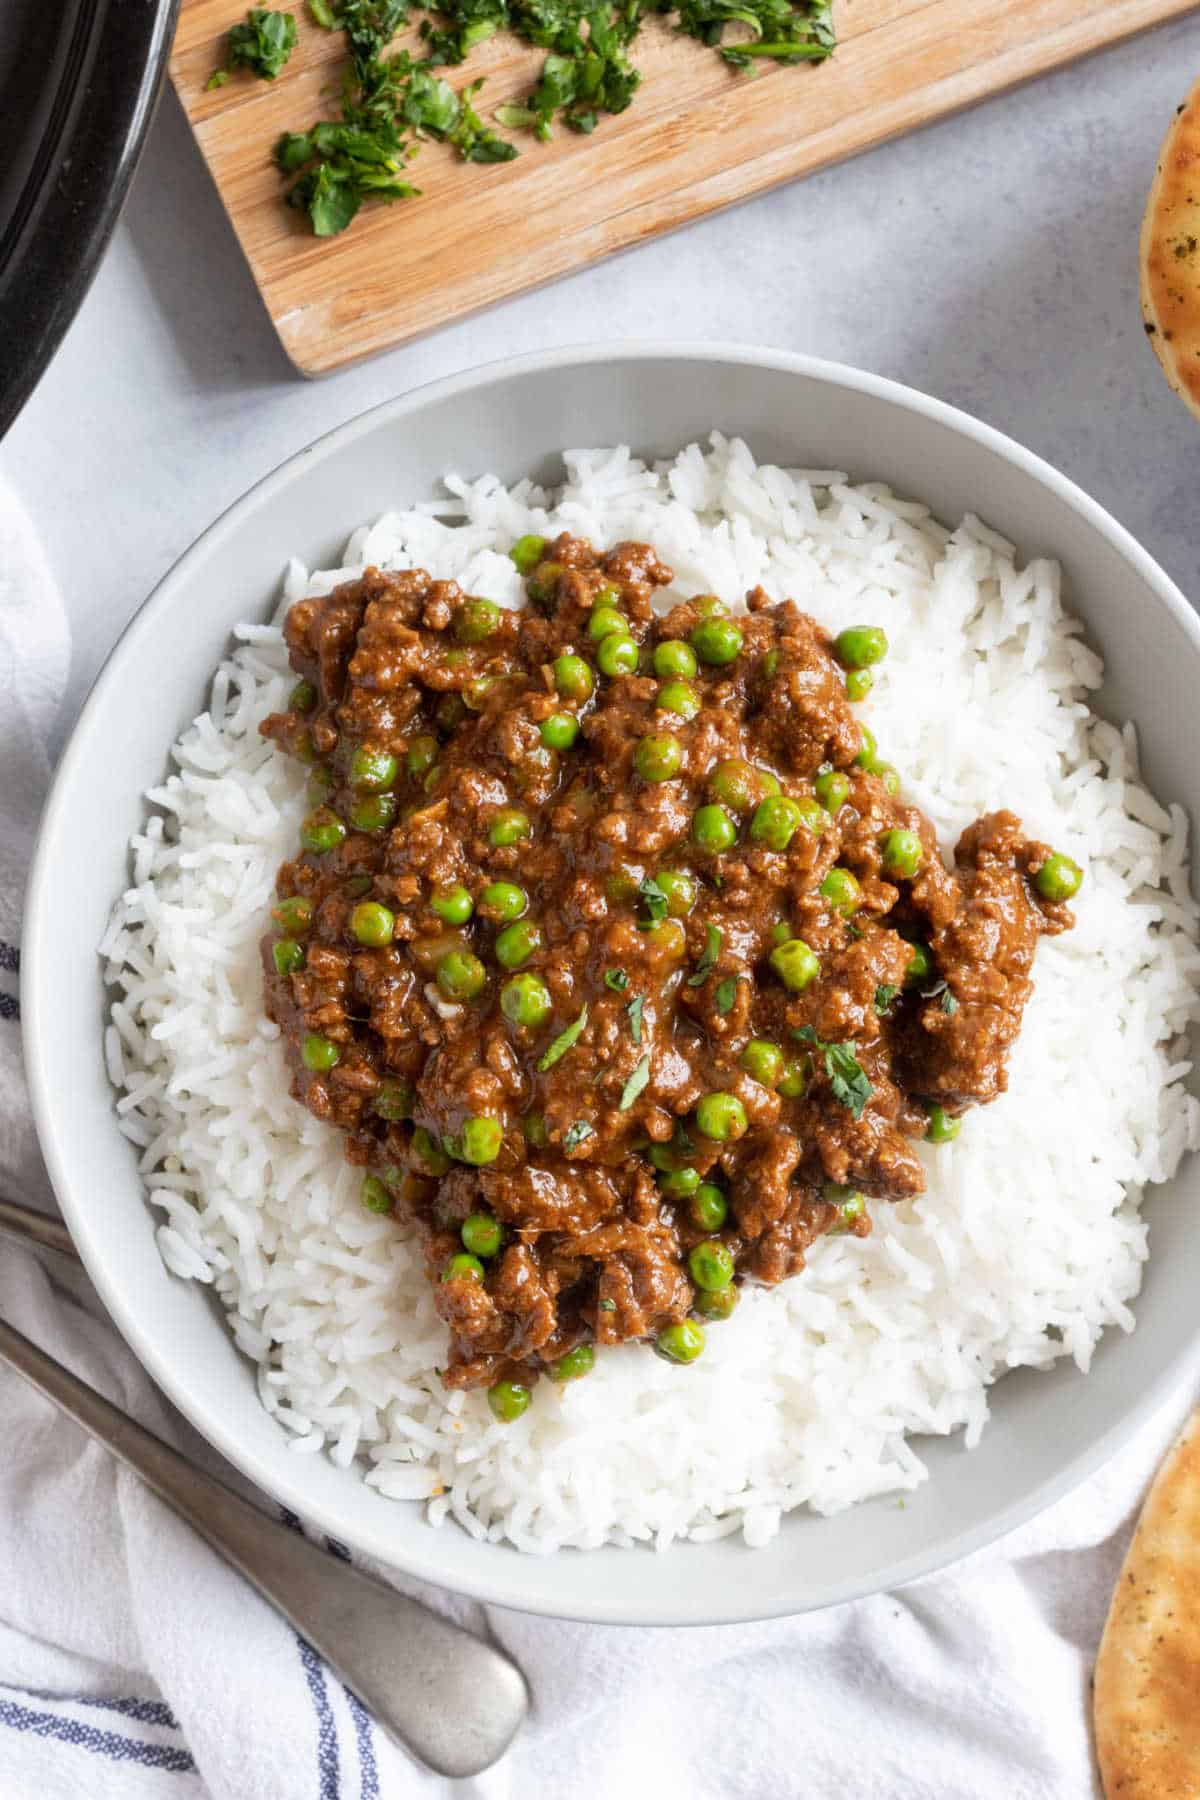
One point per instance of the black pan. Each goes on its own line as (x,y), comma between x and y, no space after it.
(78,83)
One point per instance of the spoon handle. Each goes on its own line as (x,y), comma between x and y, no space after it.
(453,1701)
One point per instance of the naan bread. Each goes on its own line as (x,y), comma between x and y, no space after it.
(1147,1689)
(1170,258)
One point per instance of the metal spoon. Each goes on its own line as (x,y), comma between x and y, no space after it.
(454,1702)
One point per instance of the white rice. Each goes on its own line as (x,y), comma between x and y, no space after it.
(1028,1242)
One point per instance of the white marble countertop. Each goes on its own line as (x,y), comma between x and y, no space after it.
(990,260)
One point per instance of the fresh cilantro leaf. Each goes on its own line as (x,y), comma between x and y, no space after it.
(635,1009)
(806,1034)
(725,995)
(217,79)
(634,1086)
(575,1134)
(323,14)
(263,43)
(562,1043)
(949,1003)
(848,1081)
(608,1306)
(884,996)
(653,898)
(331,199)
(708,962)
(616,979)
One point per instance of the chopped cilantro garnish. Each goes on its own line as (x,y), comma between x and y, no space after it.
(608,1306)
(263,43)
(653,898)
(562,1043)
(575,1134)
(616,979)
(708,962)
(949,1003)
(847,1080)
(217,79)
(725,995)
(884,997)
(634,1086)
(635,1009)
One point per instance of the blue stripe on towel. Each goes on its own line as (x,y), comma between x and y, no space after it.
(9,1008)
(148,1712)
(100,1743)
(327,1742)
(10,958)
(363,1730)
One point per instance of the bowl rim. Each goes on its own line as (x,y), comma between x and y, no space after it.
(504,1589)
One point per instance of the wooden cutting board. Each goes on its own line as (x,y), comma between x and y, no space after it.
(697,137)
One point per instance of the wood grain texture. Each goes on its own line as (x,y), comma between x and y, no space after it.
(698,136)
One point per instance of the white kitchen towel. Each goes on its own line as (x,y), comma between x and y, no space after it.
(132,1663)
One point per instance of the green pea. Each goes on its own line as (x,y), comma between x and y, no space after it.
(287,955)
(920,964)
(680,890)
(674,657)
(503,901)
(678,697)
(573,677)
(461,975)
(901,853)
(713,829)
(762,1061)
(543,582)
(372,924)
(662,1157)
(832,790)
(608,595)
(372,769)
(375,1196)
(450,712)
(318,1053)
(421,756)
(678,1184)
(357,886)
(781,931)
(533,1125)
(294,914)
(508,827)
(476,620)
(710,1265)
(617,654)
(517,943)
(866,754)
(604,621)
(508,1400)
(736,784)
(842,891)
(559,731)
(668,935)
(943,1127)
(525,1000)
(453,904)
(481,1234)
(769,783)
(463,1267)
(476,692)
(709,606)
(721,1117)
(718,1304)
(528,552)
(795,964)
(658,757)
(887,773)
(708,1207)
(302,698)
(681,1343)
(859,683)
(849,1202)
(1059,878)
(321,784)
(394,1101)
(575,1363)
(794,1080)
(480,1140)
(776,821)
(430,1155)
(861,646)
(770,664)
(304,749)
(322,831)
(717,641)
(375,812)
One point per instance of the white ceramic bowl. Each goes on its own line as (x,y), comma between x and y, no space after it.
(1048,1430)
